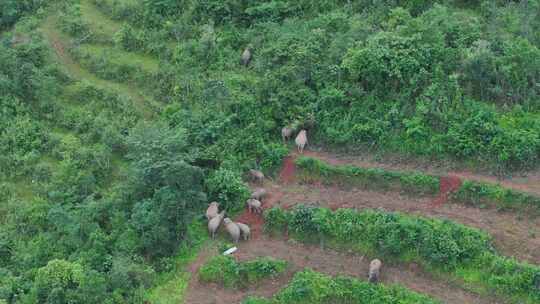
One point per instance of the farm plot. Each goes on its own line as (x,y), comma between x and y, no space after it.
(513,235)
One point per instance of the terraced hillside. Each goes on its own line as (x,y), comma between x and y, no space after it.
(121,120)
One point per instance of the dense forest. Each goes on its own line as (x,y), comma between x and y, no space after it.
(121,119)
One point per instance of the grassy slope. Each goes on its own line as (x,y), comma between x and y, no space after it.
(59,43)
(171,285)
(98,23)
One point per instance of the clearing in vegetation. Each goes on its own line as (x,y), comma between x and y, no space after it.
(288,194)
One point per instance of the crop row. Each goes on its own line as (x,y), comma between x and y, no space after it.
(225,270)
(316,288)
(470,192)
(440,245)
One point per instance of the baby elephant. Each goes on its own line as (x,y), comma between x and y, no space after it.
(301,140)
(212,210)
(254,206)
(256,175)
(244,230)
(214,223)
(374,270)
(286,133)
(258,194)
(233,229)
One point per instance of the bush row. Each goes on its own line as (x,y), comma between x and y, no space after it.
(470,192)
(316,288)
(225,270)
(477,193)
(439,244)
(314,169)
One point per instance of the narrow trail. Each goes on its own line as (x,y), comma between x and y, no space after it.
(512,237)
(513,234)
(529,184)
(325,261)
(60,44)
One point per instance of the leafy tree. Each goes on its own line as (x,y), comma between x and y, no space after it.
(167,189)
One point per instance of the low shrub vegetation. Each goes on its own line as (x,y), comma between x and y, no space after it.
(437,244)
(225,270)
(477,194)
(470,192)
(310,287)
(311,168)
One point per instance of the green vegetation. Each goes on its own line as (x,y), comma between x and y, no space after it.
(121,119)
(445,246)
(470,192)
(171,285)
(309,287)
(226,271)
(312,169)
(476,193)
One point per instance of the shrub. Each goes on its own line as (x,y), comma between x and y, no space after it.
(225,270)
(227,187)
(477,194)
(273,155)
(310,287)
(444,245)
(470,192)
(314,169)
(275,220)
(261,268)
(222,270)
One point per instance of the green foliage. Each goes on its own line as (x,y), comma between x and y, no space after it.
(113,64)
(311,287)
(477,194)
(221,269)
(168,190)
(226,186)
(83,183)
(470,192)
(444,245)
(63,282)
(12,10)
(275,220)
(225,270)
(314,169)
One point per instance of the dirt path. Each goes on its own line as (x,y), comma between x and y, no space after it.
(529,184)
(60,43)
(325,261)
(512,236)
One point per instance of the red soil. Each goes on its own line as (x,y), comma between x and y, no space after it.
(288,171)
(448,184)
(255,221)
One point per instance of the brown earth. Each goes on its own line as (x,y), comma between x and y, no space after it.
(513,236)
